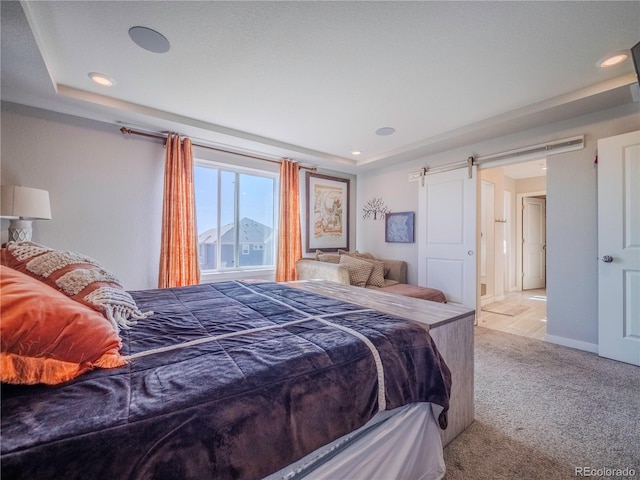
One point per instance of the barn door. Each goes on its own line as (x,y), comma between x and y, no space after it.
(619,247)
(447,234)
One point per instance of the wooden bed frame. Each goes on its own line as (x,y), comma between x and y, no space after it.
(450,326)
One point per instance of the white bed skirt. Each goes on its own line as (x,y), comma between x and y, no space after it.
(403,443)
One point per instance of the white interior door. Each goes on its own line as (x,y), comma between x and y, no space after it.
(447,234)
(534,243)
(619,247)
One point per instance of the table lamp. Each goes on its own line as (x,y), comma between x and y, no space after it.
(23,205)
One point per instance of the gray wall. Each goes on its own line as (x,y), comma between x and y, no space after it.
(106,196)
(572,287)
(105,189)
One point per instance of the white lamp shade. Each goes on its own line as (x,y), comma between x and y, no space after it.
(24,202)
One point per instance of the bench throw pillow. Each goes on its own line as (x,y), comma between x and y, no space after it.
(357,254)
(79,277)
(367,256)
(359,270)
(46,337)
(377,273)
(327,257)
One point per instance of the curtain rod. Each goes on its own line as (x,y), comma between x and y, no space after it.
(128,131)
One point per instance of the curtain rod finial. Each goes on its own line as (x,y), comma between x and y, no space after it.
(125,131)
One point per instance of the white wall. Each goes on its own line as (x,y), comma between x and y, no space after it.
(105,189)
(571,215)
(531,184)
(106,192)
(495,284)
(392,186)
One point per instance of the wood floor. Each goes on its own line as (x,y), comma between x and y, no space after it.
(531,322)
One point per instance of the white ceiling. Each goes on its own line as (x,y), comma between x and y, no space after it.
(314,80)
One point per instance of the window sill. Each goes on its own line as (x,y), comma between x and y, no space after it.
(257,274)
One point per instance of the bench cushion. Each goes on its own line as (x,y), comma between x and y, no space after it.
(416,291)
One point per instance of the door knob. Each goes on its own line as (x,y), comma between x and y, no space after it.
(607,259)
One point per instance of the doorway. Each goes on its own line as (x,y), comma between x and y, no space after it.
(512,241)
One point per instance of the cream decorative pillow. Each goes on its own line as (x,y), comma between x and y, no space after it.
(376,280)
(327,257)
(359,270)
(357,254)
(377,274)
(79,277)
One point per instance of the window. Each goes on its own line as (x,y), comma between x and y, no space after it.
(226,197)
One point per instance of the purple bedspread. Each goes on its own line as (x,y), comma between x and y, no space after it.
(239,406)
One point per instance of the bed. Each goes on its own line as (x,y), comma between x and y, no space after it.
(239,380)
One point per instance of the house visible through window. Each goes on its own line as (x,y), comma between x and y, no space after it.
(226,198)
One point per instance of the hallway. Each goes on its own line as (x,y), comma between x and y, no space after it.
(524,314)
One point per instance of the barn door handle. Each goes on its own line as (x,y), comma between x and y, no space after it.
(607,259)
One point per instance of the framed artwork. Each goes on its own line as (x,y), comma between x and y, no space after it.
(399,227)
(327,213)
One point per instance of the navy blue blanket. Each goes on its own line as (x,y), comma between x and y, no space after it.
(203,398)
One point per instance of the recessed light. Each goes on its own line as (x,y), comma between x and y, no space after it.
(612,60)
(101,79)
(356,152)
(385,131)
(149,39)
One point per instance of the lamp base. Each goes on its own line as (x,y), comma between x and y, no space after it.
(20,230)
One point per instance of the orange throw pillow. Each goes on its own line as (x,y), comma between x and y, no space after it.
(46,337)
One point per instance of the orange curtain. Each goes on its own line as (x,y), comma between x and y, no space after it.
(289,236)
(179,243)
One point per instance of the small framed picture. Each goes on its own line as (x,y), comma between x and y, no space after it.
(399,227)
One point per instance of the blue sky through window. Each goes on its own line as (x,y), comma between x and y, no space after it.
(256,198)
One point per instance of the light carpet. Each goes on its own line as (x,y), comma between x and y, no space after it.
(542,410)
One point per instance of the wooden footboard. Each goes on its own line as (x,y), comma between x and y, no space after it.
(455,342)
(450,326)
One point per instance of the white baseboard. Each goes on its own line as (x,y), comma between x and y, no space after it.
(571,343)
(486,300)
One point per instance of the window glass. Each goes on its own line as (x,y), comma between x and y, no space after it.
(226,198)
(206,189)
(255,205)
(227,220)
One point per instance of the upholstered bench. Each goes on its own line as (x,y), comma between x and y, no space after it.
(394,280)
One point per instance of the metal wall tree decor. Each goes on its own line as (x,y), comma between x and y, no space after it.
(374,209)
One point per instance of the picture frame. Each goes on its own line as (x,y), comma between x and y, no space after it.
(327,226)
(399,227)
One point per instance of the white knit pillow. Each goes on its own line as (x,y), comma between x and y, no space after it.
(359,270)
(79,277)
